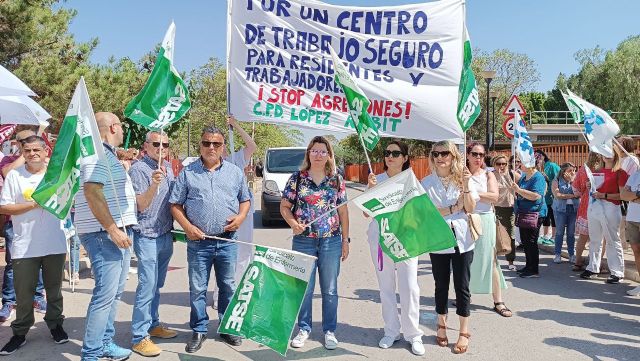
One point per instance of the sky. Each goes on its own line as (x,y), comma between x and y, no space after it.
(548,31)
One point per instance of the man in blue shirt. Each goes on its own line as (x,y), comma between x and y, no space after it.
(152,242)
(210,198)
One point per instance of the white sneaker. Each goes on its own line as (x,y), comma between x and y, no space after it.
(417,347)
(330,341)
(557,259)
(300,338)
(387,341)
(572,259)
(634,292)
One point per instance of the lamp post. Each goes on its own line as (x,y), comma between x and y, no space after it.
(488,76)
(493,96)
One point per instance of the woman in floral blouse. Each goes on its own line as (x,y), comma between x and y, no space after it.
(310,193)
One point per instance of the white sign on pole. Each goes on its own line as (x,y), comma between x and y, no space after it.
(514,105)
(407,59)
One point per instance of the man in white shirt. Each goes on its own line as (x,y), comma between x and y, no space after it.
(39,241)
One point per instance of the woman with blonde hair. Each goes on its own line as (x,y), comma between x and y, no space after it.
(604,217)
(310,193)
(581,187)
(450,190)
(504,205)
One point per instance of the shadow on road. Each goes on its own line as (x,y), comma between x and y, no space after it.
(595,350)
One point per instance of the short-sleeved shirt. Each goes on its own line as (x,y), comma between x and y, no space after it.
(37,232)
(580,185)
(612,182)
(156,220)
(210,197)
(633,213)
(6,160)
(118,193)
(443,197)
(552,170)
(537,184)
(313,200)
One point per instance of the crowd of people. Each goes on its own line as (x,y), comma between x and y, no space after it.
(128,203)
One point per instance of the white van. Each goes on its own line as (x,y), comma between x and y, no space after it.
(279,164)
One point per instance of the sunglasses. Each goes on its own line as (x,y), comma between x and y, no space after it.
(501,164)
(323,153)
(477,155)
(436,154)
(208,144)
(392,153)
(157,144)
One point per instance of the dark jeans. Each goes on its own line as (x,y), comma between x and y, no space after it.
(441,265)
(8,292)
(26,276)
(529,239)
(506,217)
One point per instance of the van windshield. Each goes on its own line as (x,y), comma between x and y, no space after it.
(284,160)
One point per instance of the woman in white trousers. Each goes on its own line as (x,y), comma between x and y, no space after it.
(396,159)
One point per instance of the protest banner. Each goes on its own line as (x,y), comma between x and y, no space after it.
(407,59)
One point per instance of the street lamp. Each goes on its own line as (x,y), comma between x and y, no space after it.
(493,96)
(488,76)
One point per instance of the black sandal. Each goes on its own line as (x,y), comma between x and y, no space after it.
(502,311)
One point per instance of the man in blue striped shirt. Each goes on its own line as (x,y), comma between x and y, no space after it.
(210,198)
(105,207)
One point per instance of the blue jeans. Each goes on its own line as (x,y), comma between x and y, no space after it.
(74,250)
(153,261)
(8,292)
(566,219)
(201,256)
(328,250)
(110,266)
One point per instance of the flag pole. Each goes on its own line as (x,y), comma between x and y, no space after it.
(365,153)
(160,160)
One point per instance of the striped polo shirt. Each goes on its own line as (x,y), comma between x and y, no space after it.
(85,221)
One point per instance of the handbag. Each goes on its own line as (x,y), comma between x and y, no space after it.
(527,219)
(475,225)
(503,239)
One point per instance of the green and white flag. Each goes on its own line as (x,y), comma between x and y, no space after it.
(164,99)
(358,103)
(266,303)
(468,96)
(78,142)
(409,223)
(578,107)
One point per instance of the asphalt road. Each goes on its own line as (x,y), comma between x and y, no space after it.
(558,316)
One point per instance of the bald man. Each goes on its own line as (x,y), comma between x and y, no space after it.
(105,207)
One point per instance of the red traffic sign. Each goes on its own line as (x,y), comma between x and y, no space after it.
(509,127)
(514,105)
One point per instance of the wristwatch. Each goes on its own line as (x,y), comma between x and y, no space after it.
(348,240)
(638,194)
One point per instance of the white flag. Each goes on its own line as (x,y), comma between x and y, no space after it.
(524,146)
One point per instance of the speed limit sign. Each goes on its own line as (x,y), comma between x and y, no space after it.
(509,127)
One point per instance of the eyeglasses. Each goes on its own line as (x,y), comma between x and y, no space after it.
(208,144)
(477,155)
(501,164)
(392,153)
(323,153)
(157,144)
(436,154)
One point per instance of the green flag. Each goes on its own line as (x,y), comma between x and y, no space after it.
(358,103)
(266,303)
(409,223)
(468,96)
(78,142)
(164,99)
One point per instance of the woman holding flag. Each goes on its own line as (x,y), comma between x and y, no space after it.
(308,206)
(450,191)
(604,218)
(396,160)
